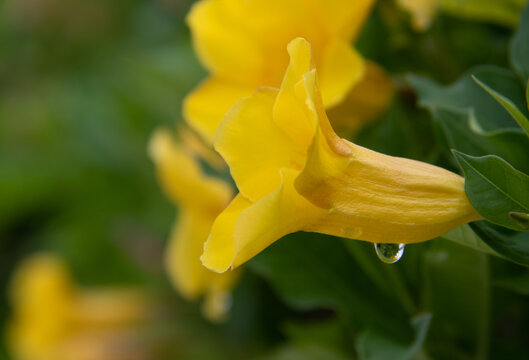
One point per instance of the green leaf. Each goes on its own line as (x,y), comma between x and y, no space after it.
(465,94)
(520,46)
(327,333)
(311,271)
(521,218)
(503,12)
(311,352)
(495,188)
(513,247)
(386,277)
(462,133)
(463,235)
(456,290)
(527,94)
(518,284)
(507,105)
(374,346)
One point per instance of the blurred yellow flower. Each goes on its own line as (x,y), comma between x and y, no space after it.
(421,11)
(54,320)
(294,173)
(242,42)
(200,199)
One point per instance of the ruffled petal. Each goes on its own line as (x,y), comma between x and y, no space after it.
(290,113)
(183,180)
(205,106)
(281,212)
(254,147)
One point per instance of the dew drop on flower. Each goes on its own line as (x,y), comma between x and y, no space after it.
(389,253)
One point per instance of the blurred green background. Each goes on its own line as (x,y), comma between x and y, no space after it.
(82,86)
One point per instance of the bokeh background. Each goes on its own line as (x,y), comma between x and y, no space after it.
(83,83)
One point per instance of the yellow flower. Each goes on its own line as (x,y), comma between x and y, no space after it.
(50,315)
(242,42)
(421,11)
(200,199)
(294,173)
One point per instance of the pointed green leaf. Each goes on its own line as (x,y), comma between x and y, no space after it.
(495,188)
(521,218)
(462,134)
(465,94)
(507,105)
(520,46)
(503,12)
(513,247)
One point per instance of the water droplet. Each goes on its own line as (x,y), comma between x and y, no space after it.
(389,253)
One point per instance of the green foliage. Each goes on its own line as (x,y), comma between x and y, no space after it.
(513,246)
(461,132)
(373,346)
(504,12)
(465,95)
(520,47)
(312,272)
(507,104)
(495,188)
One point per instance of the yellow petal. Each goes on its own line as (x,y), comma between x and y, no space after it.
(421,11)
(183,180)
(340,69)
(256,33)
(219,299)
(289,113)
(281,212)
(196,145)
(368,99)
(345,17)
(222,47)
(219,249)
(186,271)
(205,106)
(244,229)
(254,147)
(110,308)
(41,294)
(182,256)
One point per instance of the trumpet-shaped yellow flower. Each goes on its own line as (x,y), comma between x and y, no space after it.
(50,316)
(294,173)
(200,199)
(242,42)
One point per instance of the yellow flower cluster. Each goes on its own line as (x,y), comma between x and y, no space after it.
(54,320)
(270,114)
